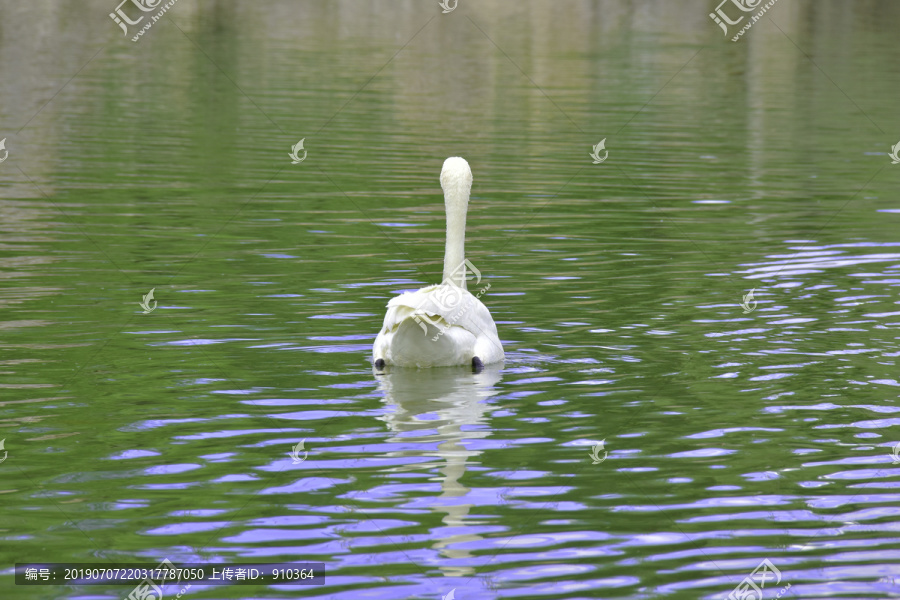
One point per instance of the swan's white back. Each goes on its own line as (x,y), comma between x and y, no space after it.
(442,325)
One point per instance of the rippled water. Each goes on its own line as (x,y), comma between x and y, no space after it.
(729,436)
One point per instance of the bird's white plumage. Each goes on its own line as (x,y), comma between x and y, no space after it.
(442,325)
(420,330)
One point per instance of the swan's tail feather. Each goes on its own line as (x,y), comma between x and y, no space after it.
(419,339)
(421,331)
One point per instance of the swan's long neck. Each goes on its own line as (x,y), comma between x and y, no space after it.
(456,201)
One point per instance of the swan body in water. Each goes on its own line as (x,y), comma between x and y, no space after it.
(442,325)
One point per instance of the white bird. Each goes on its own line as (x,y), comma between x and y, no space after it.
(442,325)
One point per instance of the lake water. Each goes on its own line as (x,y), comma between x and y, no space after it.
(729,436)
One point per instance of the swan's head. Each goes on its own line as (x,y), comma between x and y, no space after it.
(456,179)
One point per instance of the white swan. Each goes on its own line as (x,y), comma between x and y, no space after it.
(442,325)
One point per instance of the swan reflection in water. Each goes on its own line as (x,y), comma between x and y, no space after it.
(446,406)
